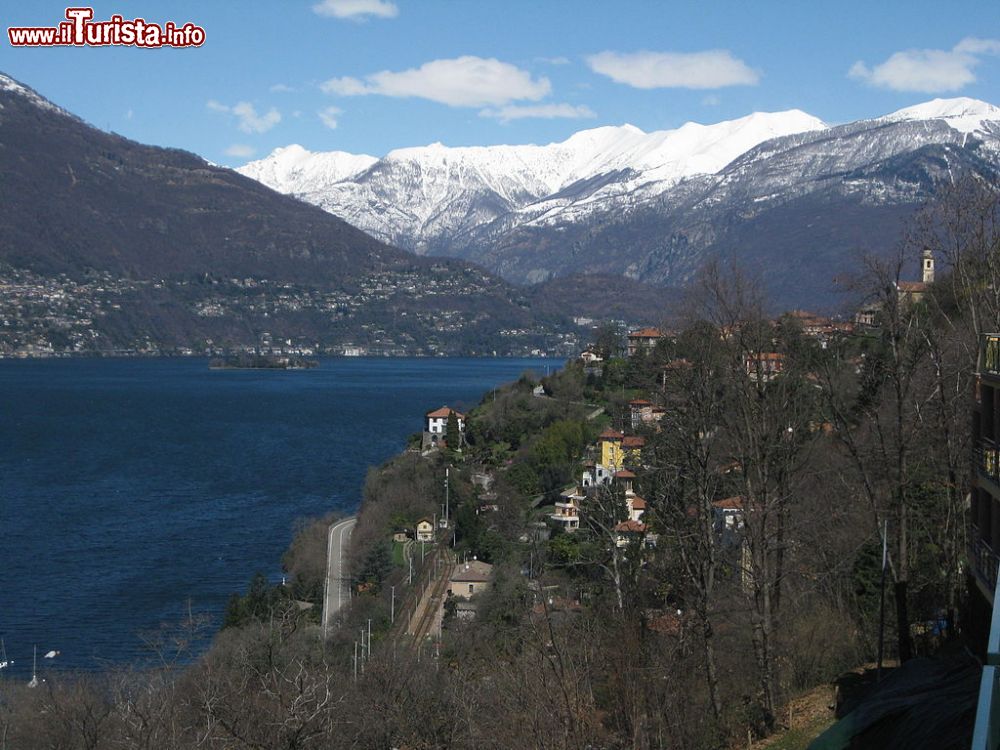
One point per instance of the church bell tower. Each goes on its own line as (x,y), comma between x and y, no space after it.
(928,265)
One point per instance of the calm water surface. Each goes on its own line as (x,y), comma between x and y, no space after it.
(129,488)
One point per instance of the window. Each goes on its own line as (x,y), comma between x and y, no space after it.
(472,588)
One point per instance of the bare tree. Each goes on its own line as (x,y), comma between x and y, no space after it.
(686,477)
(766,427)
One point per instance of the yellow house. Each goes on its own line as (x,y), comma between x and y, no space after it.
(612,456)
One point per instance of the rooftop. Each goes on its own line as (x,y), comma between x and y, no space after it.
(444,411)
(646,333)
(729,503)
(474,571)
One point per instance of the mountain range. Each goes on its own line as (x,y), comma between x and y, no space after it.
(108,245)
(784,194)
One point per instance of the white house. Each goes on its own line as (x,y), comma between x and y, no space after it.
(425,530)
(636,507)
(567,509)
(595,474)
(436,427)
(436,422)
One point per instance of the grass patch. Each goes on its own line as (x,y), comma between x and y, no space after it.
(398,558)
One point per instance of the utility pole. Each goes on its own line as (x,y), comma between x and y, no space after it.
(392,607)
(447,475)
(355,661)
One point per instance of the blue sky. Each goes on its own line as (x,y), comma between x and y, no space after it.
(368,76)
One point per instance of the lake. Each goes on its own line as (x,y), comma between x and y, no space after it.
(131,489)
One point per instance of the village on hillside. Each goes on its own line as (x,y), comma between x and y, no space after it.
(603,496)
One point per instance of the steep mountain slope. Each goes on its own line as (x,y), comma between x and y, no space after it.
(787,195)
(110,244)
(799,209)
(75,198)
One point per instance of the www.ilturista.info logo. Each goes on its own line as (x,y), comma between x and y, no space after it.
(79,30)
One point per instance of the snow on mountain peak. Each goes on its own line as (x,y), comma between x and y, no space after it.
(694,148)
(9,84)
(435,190)
(961,113)
(295,170)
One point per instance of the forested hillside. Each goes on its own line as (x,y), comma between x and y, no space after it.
(749,573)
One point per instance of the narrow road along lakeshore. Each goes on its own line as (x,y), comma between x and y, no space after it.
(337,591)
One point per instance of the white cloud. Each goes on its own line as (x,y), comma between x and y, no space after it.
(329,116)
(553,60)
(711,101)
(345,86)
(281,88)
(240,150)
(928,71)
(540,111)
(710,69)
(249,120)
(129,115)
(467,81)
(357,10)
(975,46)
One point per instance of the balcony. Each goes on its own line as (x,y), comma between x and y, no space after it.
(989,354)
(984,560)
(987,458)
(566,513)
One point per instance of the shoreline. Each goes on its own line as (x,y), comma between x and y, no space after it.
(450,378)
(161,355)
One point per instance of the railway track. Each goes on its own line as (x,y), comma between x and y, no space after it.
(430,605)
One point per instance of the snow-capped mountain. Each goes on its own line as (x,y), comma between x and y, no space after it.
(962,114)
(293,169)
(421,198)
(775,189)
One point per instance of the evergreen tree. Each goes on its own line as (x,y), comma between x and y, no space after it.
(453,435)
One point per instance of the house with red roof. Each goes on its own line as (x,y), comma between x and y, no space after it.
(629,532)
(645,339)
(436,426)
(636,506)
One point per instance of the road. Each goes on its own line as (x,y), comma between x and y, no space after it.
(337,591)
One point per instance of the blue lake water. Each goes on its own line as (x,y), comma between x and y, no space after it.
(131,488)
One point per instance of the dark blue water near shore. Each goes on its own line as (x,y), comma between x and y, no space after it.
(130,487)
